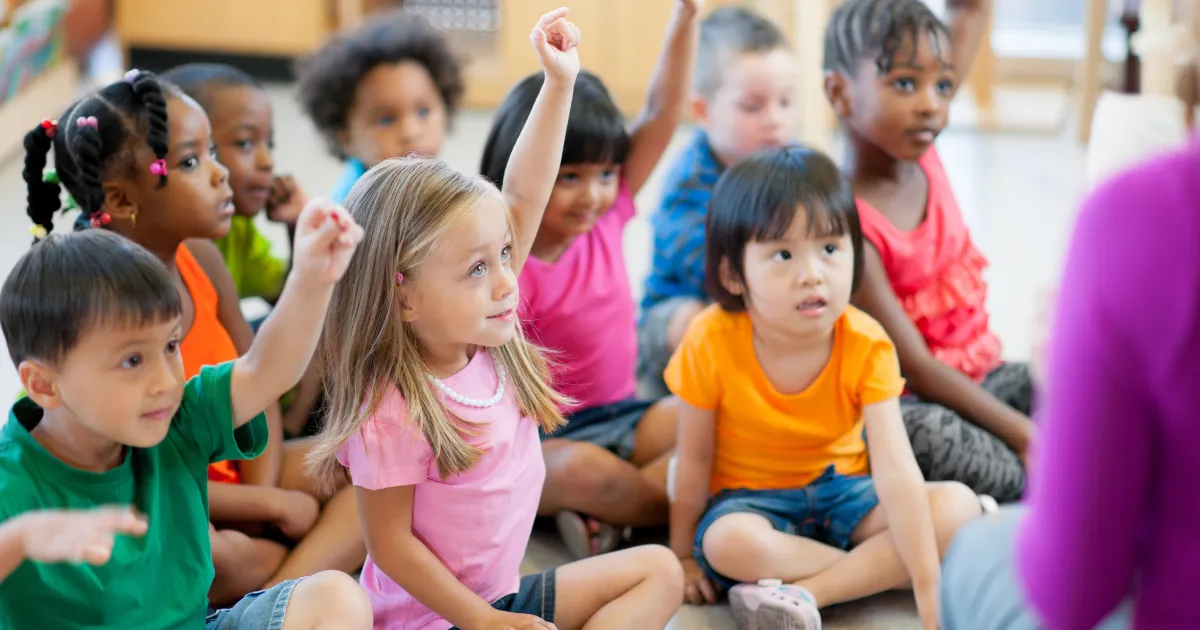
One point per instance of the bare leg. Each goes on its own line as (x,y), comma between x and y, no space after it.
(583,477)
(635,588)
(326,601)
(875,566)
(241,564)
(745,547)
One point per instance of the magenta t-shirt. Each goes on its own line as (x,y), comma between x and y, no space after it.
(478,522)
(581,308)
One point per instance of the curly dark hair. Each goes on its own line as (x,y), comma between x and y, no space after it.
(125,112)
(329,77)
(860,28)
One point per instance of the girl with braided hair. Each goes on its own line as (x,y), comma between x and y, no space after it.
(892,67)
(137,158)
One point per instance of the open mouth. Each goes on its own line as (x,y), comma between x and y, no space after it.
(923,135)
(506,315)
(225,209)
(812,305)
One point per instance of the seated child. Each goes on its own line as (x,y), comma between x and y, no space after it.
(244,134)
(778,380)
(93,323)
(135,157)
(437,399)
(387,89)
(607,466)
(892,67)
(742,101)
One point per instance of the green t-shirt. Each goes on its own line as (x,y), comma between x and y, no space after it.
(247,253)
(158,581)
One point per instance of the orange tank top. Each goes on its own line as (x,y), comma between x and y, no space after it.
(207,342)
(937,274)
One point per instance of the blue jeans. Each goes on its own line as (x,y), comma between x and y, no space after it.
(260,610)
(979,580)
(826,510)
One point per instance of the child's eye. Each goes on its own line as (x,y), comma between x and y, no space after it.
(190,162)
(423,112)
(750,108)
(271,143)
(608,174)
(385,121)
(568,178)
(506,253)
(945,86)
(782,255)
(172,347)
(478,270)
(132,361)
(245,146)
(905,84)
(830,249)
(212,151)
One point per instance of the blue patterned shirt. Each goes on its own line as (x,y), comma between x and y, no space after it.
(677,268)
(354,170)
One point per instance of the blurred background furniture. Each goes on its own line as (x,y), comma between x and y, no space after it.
(37,77)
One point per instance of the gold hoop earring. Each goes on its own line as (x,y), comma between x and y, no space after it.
(133,219)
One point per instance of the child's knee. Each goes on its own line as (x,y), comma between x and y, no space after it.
(586,469)
(660,565)
(328,597)
(733,541)
(953,505)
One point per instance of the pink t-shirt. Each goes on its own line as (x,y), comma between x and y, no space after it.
(581,307)
(478,522)
(937,274)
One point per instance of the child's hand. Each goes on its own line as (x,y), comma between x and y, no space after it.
(286,200)
(297,512)
(554,39)
(697,590)
(928,607)
(514,621)
(78,535)
(326,237)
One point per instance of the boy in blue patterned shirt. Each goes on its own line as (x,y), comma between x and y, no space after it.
(742,101)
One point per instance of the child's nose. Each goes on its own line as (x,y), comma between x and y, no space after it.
(504,285)
(809,271)
(219,173)
(263,160)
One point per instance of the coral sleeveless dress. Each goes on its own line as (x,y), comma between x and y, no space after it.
(937,274)
(207,342)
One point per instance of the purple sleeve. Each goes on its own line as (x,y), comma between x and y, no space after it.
(1091,474)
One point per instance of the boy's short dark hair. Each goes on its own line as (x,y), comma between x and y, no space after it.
(69,283)
(757,199)
(596,131)
(861,28)
(732,31)
(328,78)
(197,80)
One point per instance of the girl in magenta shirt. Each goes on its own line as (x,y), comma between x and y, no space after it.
(436,397)
(892,68)
(609,463)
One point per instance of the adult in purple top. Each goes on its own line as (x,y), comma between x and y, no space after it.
(1110,516)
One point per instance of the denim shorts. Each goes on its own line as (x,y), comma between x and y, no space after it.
(826,510)
(260,610)
(612,427)
(535,597)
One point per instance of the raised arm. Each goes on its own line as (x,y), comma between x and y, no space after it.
(669,86)
(928,377)
(533,165)
(968,19)
(326,237)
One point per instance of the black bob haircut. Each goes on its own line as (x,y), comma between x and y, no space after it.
(198,80)
(328,79)
(596,131)
(861,28)
(70,283)
(125,112)
(757,200)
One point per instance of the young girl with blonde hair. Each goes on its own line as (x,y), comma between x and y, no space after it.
(436,397)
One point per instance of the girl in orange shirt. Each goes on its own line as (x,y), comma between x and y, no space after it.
(778,380)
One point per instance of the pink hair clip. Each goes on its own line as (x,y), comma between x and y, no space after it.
(49,127)
(89,121)
(159,167)
(100,219)
(399,278)
(132,76)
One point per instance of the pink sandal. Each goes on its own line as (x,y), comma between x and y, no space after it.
(770,605)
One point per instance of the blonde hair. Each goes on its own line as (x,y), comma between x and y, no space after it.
(405,206)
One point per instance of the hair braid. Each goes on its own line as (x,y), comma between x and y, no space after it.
(42,196)
(148,89)
(860,28)
(86,145)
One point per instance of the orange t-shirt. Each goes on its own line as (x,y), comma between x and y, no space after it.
(207,342)
(767,440)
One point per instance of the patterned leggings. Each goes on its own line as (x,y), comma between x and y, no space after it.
(950,448)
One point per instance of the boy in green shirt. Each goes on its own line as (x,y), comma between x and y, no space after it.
(93,323)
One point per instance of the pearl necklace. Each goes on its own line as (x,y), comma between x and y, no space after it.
(474,402)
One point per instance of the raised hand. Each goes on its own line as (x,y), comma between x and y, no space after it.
(554,40)
(286,200)
(326,237)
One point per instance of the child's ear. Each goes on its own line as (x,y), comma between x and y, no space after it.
(408,314)
(698,106)
(120,200)
(729,280)
(39,380)
(837,92)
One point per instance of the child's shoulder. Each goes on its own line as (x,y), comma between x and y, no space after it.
(715,324)
(695,169)
(861,330)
